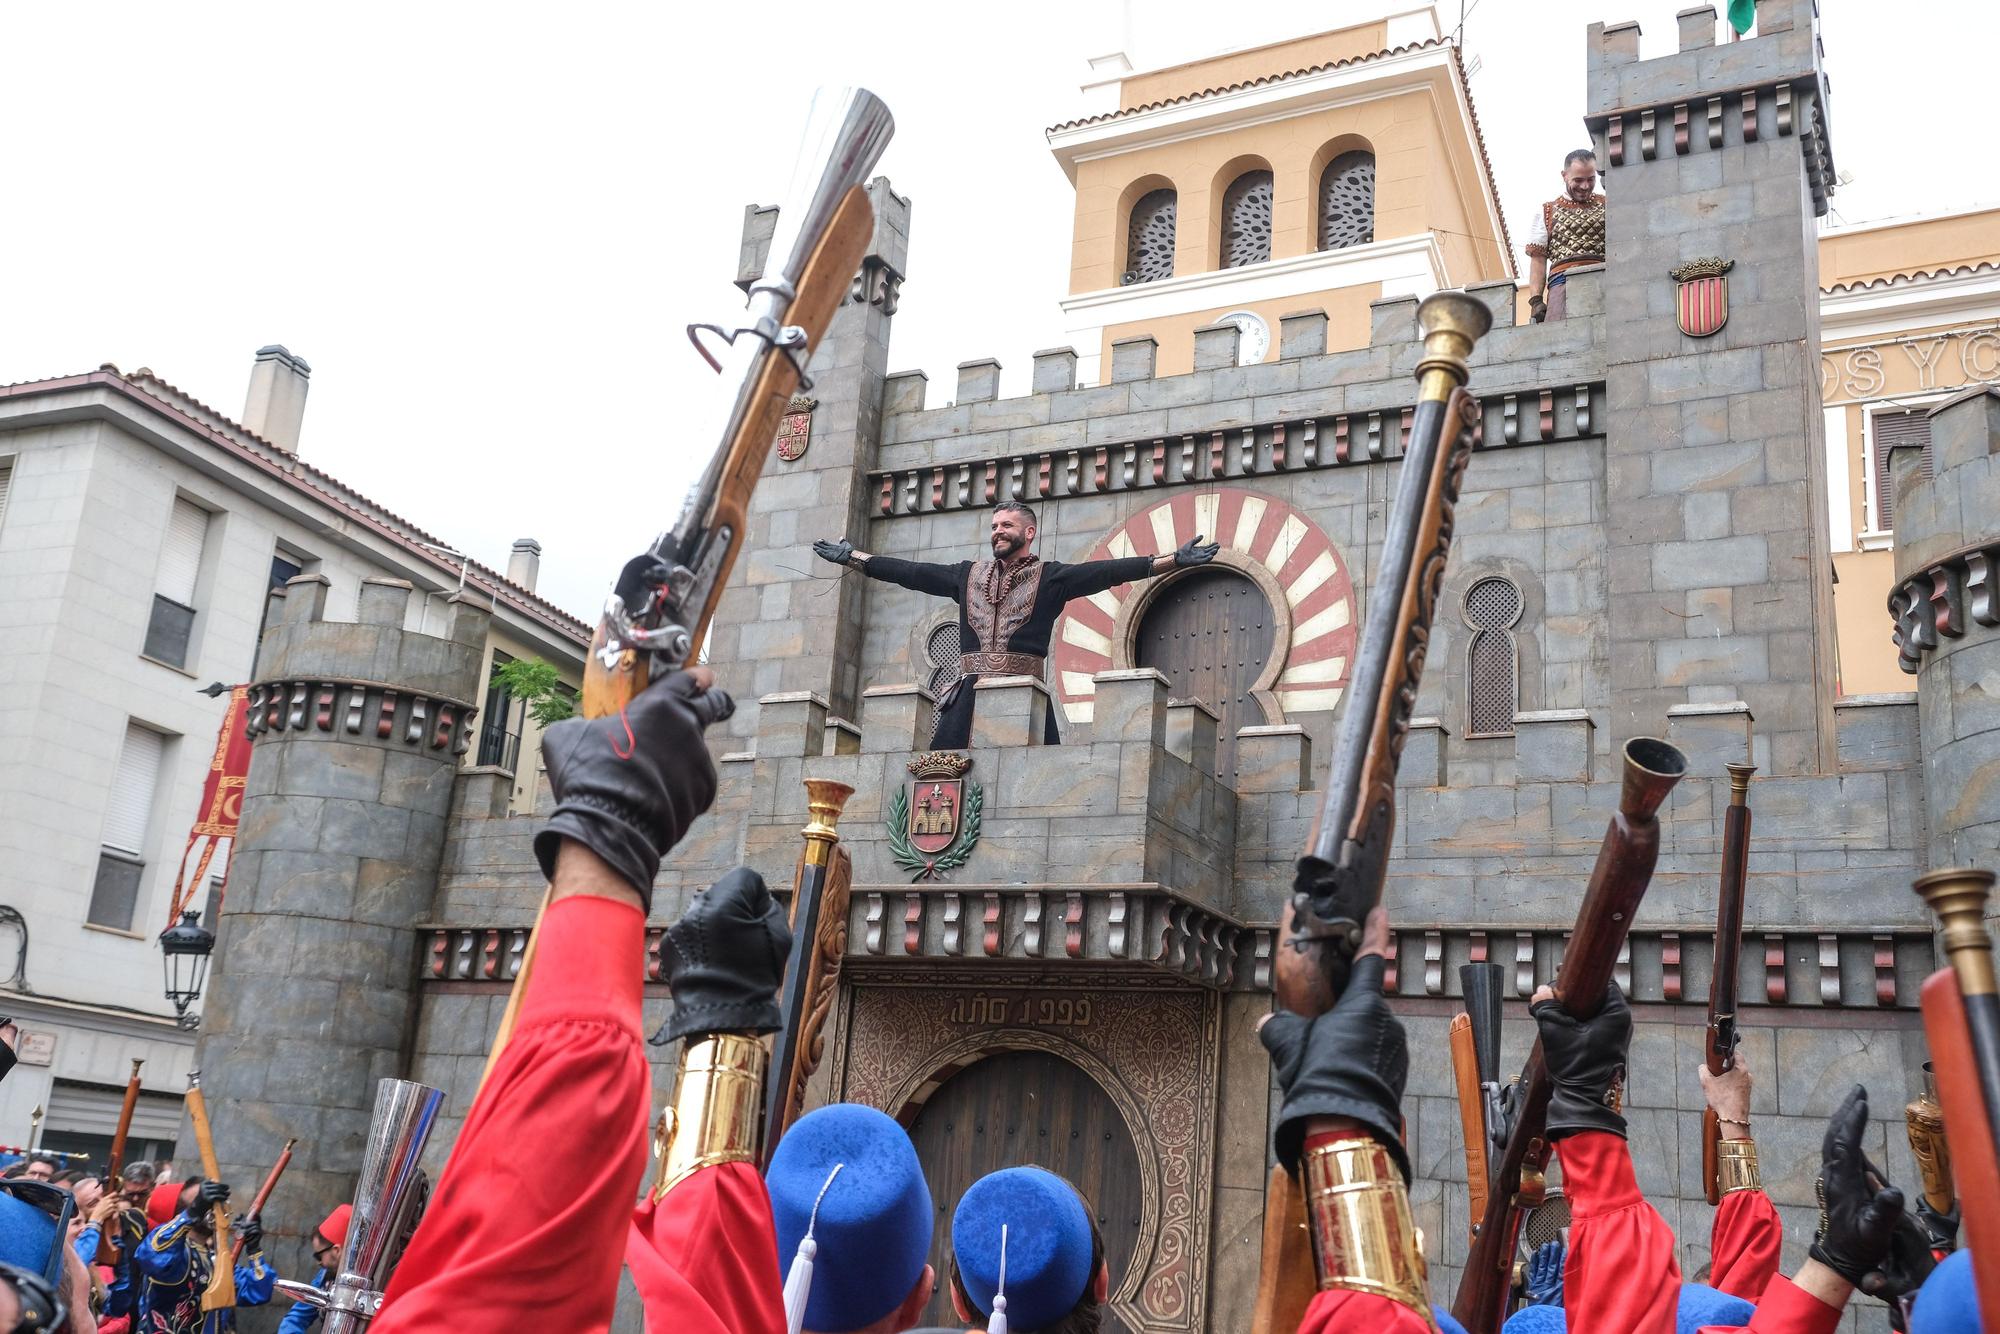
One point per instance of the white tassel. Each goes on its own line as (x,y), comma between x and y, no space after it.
(998,1323)
(799,1281)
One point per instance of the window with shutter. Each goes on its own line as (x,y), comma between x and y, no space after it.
(171,625)
(6,482)
(1149,241)
(1890,431)
(115,894)
(1246,220)
(1493,662)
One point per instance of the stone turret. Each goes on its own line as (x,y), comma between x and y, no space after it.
(1946,612)
(357,729)
(1715,473)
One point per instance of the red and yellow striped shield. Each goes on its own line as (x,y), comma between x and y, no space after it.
(1701,303)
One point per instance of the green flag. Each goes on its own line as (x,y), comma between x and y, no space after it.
(1742,13)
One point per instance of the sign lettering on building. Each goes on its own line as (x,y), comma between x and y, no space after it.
(1925,363)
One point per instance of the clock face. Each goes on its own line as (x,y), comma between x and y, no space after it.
(1256,336)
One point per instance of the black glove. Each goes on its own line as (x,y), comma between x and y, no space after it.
(1538,310)
(1909,1261)
(1857,1217)
(1195,552)
(725,960)
(252,1231)
(1352,1061)
(628,786)
(1586,1063)
(209,1194)
(840,553)
(1943,1228)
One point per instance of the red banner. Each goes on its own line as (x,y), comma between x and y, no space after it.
(214,829)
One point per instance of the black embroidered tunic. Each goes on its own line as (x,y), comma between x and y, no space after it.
(1005,618)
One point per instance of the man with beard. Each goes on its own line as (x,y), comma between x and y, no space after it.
(1568,231)
(1007,606)
(175,1261)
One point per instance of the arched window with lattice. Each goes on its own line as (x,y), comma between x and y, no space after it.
(1246,220)
(1149,243)
(1347,201)
(941,649)
(1492,658)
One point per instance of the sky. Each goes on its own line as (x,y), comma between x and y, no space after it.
(486,226)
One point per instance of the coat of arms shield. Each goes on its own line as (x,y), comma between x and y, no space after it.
(934,822)
(795,430)
(934,814)
(1701,301)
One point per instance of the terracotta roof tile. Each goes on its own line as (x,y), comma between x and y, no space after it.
(302,476)
(1953,271)
(1458,63)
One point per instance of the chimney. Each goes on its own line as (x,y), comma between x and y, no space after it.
(276,404)
(524,563)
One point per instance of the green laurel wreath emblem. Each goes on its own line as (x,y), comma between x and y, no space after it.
(921,866)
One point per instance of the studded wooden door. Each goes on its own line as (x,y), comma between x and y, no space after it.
(1209,633)
(1019,1108)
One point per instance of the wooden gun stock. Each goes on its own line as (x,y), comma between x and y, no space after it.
(1471,1114)
(1617,885)
(220,1294)
(114,1176)
(256,1210)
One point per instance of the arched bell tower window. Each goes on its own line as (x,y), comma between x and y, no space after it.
(1347,201)
(1149,244)
(1492,659)
(1246,220)
(941,650)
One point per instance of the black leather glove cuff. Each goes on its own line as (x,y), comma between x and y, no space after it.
(725,960)
(1572,1112)
(615,841)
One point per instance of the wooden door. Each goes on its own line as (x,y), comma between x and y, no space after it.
(1024,1108)
(1209,633)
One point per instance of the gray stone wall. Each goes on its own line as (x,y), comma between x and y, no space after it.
(309,999)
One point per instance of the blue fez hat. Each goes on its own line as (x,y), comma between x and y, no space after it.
(873,1226)
(1445,1323)
(1047,1249)
(1537,1320)
(1702,1305)
(27,1235)
(1947,1301)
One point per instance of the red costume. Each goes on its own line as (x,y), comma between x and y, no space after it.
(1744,1246)
(503,1235)
(1621,1276)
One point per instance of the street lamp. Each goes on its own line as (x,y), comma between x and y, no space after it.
(186,947)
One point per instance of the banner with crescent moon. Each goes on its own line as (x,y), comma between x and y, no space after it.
(214,831)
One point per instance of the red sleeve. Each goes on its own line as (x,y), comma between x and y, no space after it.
(1339,1310)
(511,1229)
(1621,1273)
(1744,1245)
(1786,1309)
(705,1258)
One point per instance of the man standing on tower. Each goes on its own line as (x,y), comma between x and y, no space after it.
(1007,606)
(1568,231)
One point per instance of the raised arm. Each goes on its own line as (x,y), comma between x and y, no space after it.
(1094,576)
(940,581)
(1747,1234)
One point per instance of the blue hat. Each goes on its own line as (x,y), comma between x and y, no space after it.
(27,1235)
(1444,1321)
(1947,1301)
(1702,1305)
(1537,1320)
(874,1225)
(1048,1244)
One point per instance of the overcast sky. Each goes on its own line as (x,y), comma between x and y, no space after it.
(486,225)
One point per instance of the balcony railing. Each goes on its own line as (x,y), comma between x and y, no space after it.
(499,746)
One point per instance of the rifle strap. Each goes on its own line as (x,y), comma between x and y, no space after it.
(1364,1238)
(1736,1166)
(717,1105)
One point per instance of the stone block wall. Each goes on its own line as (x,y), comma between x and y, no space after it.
(357,731)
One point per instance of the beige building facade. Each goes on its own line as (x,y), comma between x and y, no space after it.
(1909,317)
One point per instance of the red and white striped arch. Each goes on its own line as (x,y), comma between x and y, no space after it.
(1315,622)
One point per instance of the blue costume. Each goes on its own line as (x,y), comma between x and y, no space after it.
(174,1266)
(304,1315)
(128,1227)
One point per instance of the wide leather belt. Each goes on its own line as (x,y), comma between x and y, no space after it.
(1000,664)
